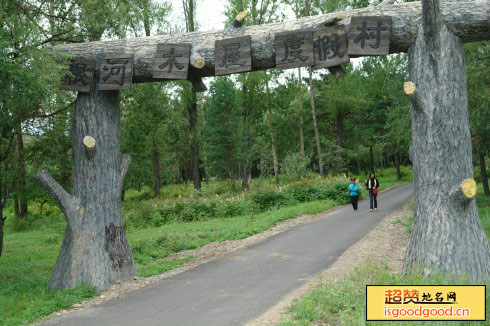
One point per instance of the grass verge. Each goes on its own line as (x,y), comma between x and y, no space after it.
(344,302)
(29,257)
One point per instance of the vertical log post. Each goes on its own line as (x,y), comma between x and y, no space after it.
(447,234)
(94,249)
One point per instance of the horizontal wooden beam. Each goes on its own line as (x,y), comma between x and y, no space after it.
(467,19)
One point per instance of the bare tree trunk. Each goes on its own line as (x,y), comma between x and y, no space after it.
(340,139)
(273,144)
(447,233)
(94,249)
(15,200)
(192,111)
(3,197)
(21,176)
(247,108)
(397,165)
(300,102)
(2,222)
(371,158)
(206,175)
(315,125)
(157,184)
(483,172)
(483,168)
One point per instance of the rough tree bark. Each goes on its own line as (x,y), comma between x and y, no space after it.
(447,233)
(94,249)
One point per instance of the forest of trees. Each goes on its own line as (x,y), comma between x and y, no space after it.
(256,124)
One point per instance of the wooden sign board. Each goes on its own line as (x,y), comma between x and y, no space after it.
(369,35)
(233,55)
(171,61)
(116,72)
(80,76)
(294,49)
(330,47)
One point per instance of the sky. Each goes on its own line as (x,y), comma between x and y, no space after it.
(209,14)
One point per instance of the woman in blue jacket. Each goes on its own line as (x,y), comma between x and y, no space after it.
(354,193)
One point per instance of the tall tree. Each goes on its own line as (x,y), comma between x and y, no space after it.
(191,100)
(223,141)
(261,12)
(447,233)
(477,56)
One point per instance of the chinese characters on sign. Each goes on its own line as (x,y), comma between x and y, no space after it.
(232,55)
(294,49)
(116,72)
(80,76)
(171,61)
(319,48)
(370,35)
(330,47)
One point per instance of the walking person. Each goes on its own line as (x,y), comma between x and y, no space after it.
(354,193)
(372,184)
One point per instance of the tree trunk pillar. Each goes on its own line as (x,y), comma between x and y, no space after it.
(447,234)
(95,249)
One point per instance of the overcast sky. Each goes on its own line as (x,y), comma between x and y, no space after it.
(209,14)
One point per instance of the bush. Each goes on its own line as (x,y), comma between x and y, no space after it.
(193,208)
(295,166)
(267,199)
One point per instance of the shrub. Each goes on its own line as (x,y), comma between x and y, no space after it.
(295,166)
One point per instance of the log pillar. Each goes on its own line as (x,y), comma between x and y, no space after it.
(447,234)
(94,249)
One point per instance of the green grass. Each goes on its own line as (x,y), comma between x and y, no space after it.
(343,302)
(32,246)
(29,257)
(25,269)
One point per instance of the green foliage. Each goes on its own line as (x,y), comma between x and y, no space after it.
(295,166)
(25,270)
(222,129)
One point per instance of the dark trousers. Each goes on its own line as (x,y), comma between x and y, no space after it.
(353,200)
(372,200)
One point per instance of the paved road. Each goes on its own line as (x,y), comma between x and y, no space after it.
(233,291)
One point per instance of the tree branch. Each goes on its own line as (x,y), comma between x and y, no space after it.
(62,198)
(125,163)
(413,97)
(463,192)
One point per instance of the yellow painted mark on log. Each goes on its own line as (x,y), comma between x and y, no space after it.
(469,188)
(241,16)
(409,88)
